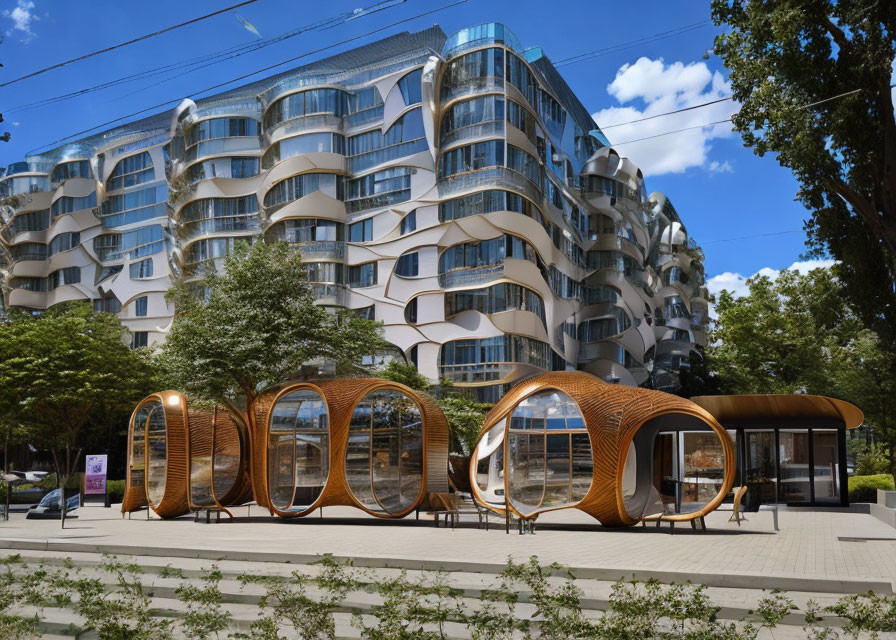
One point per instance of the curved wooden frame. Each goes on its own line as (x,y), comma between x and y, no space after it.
(612,415)
(341,398)
(181,423)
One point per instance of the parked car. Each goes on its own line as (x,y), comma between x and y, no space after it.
(50,506)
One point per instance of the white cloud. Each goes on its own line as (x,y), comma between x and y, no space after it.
(663,88)
(736,283)
(716,167)
(22,17)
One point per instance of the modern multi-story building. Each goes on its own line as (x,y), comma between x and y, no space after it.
(453,188)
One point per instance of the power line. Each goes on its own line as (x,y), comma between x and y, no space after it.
(663,35)
(247,75)
(712,124)
(759,235)
(668,113)
(212,58)
(129,42)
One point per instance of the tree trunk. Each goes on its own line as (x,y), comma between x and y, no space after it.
(63,503)
(256,450)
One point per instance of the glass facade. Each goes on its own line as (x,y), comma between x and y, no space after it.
(549,461)
(384,458)
(298,450)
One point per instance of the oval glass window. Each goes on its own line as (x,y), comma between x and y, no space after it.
(298,450)
(384,458)
(151,421)
(549,453)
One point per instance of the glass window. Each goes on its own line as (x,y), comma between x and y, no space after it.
(410,86)
(301,145)
(408,265)
(131,171)
(379,189)
(31,221)
(409,222)
(384,458)
(243,167)
(314,101)
(29,251)
(139,339)
(522,162)
(362,275)
(156,429)
(68,204)
(138,243)
(488,359)
(540,453)
(221,128)
(361,231)
(520,118)
(519,76)
(300,186)
(472,112)
(825,465)
(141,269)
(140,306)
(107,304)
(495,299)
(372,148)
(483,69)
(410,312)
(73,169)
(64,242)
(471,158)
(62,277)
(298,450)
(488,202)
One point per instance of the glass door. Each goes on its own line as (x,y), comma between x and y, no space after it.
(825,465)
(761,468)
(796,471)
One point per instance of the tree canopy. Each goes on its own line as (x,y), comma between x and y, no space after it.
(798,334)
(256,325)
(814,81)
(58,369)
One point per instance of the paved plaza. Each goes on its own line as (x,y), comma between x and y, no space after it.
(828,550)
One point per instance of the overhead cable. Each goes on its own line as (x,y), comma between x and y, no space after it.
(124,44)
(663,35)
(213,58)
(252,73)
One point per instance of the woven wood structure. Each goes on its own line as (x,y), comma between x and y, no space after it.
(204,464)
(342,397)
(612,415)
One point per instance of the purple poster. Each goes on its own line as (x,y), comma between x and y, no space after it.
(95,475)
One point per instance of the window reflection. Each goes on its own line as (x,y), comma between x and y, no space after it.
(152,423)
(549,453)
(384,458)
(298,450)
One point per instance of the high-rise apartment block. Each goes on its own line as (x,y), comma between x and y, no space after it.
(453,188)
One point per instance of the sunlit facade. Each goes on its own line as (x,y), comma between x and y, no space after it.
(453,188)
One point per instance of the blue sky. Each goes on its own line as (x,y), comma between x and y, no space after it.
(721,190)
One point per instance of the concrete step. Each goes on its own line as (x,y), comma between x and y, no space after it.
(720,579)
(736,604)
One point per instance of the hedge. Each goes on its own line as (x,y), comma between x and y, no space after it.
(864,488)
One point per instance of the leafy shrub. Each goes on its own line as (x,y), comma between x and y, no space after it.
(872,461)
(864,488)
(115,488)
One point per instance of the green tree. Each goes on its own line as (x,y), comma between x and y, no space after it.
(798,333)
(782,337)
(405,373)
(256,326)
(58,368)
(814,81)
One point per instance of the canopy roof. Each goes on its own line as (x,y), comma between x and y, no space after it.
(768,408)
